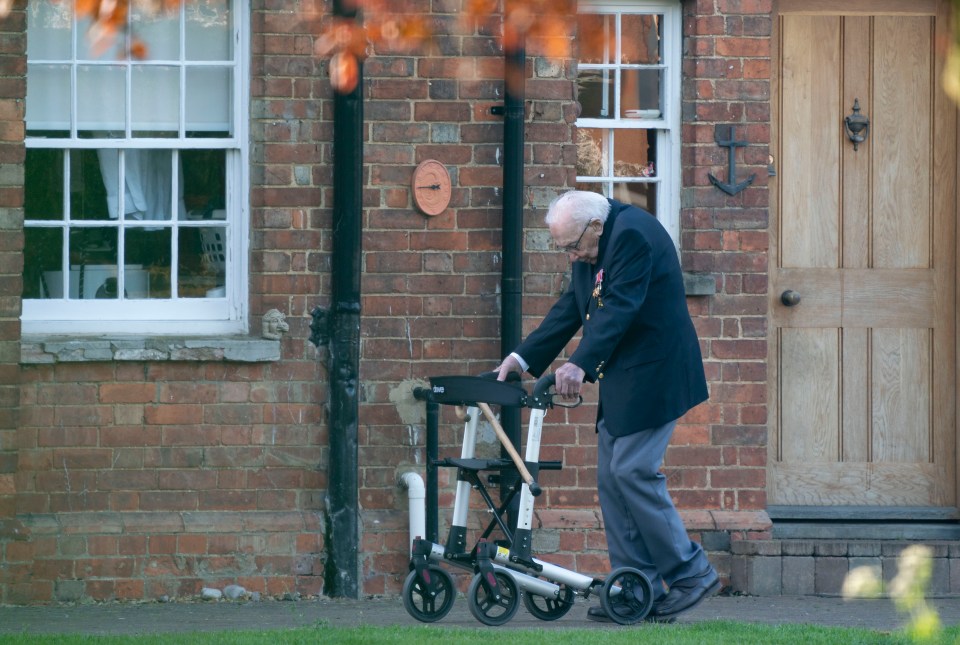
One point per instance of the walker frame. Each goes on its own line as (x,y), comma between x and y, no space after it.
(506,572)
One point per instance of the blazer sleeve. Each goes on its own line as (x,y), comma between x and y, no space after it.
(623,293)
(547,341)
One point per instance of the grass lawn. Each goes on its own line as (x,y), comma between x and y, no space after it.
(713,632)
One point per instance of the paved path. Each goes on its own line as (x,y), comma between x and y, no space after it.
(142,618)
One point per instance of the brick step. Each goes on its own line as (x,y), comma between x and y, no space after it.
(817,567)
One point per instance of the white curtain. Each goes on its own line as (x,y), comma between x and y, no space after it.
(148,184)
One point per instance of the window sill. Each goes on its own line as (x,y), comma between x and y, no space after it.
(35,350)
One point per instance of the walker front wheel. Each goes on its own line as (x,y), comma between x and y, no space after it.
(627,596)
(488,607)
(430,598)
(549,608)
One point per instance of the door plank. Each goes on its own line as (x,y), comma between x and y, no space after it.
(902,142)
(874,484)
(859,7)
(888,298)
(901,395)
(855,441)
(856,216)
(809,408)
(810,202)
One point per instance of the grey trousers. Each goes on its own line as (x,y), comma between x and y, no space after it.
(643,528)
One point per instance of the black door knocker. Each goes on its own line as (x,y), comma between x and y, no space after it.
(857,125)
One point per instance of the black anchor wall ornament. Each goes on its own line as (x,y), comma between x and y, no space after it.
(725,136)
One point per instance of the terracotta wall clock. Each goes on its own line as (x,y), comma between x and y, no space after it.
(431,187)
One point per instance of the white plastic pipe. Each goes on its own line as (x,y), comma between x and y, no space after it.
(416,498)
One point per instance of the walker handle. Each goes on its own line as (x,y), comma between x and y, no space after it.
(543,385)
(542,397)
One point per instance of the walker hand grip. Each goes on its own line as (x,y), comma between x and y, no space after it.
(543,385)
(541,399)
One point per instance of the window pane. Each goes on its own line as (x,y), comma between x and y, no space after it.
(158,30)
(155,99)
(643,195)
(48,97)
(204,182)
(209,27)
(110,219)
(595,37)
(209,99)
(93,263)
(148,183)
(635,151)
(43,185)
(100,102)
(106,49)
(641,39)
(49,25)
(147,264)
(592,155)
(203,261)
(42,262)
(88,194)
(595,93)
(640,93)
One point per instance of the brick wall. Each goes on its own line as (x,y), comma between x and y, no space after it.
(431,285)
(139,479)
(12,88)
(717,460)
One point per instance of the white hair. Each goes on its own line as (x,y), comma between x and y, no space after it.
(580,206)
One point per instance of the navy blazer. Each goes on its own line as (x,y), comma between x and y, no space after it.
(638,340)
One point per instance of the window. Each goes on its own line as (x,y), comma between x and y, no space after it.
(134,191)
(628,84)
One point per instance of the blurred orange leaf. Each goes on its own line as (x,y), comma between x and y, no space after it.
(344,72)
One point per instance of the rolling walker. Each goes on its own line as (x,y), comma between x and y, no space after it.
(506,571)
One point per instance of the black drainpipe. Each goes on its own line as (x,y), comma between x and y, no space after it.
(342,567)
(511,281)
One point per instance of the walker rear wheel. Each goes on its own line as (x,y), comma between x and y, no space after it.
(549,608)
(428,602)
(489,609)
(627,596)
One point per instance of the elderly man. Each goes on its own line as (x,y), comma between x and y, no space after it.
(639,344)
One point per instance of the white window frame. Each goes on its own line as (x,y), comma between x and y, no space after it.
(667,126)
(169,316)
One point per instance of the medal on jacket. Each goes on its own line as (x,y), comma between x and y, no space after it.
(597,288)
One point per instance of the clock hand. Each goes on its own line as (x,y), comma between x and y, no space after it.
(431,187)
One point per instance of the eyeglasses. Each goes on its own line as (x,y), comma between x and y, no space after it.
(573,248)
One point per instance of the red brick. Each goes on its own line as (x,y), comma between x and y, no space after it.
(173,414)
(102,545)
(127,392)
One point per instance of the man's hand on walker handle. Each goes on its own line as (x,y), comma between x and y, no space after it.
(509,364)
(569,380)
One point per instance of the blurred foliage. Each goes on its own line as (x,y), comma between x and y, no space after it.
(393,25)
(908,590)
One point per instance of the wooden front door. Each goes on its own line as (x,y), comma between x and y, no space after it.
(863,378)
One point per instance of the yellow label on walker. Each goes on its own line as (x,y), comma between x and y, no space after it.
(503,552)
